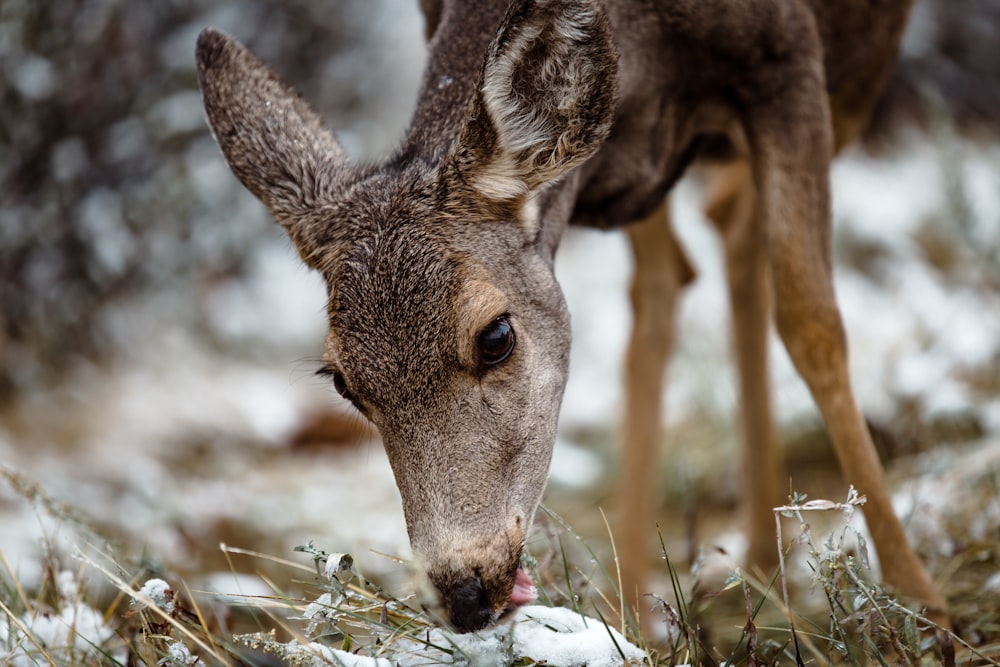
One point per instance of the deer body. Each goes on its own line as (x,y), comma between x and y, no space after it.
(448,329)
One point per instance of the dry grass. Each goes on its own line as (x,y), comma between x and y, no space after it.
(139,619)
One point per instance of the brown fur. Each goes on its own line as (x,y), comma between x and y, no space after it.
(532,116)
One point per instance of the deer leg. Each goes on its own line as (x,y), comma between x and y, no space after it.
(791,145)
(660,270)
(732,209)
(810,326)
(809,323)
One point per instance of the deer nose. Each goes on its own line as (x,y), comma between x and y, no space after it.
(469,605)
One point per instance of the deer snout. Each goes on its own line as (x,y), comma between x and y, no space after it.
(472,561)
(472,599)
(469,607)
(475,593)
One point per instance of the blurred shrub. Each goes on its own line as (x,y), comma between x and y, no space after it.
(114,202)
(949,69)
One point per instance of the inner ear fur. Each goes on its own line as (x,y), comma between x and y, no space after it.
(544,102)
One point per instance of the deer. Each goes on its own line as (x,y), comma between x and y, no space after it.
(448,330)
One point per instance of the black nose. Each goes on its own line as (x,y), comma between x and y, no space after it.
(469,605)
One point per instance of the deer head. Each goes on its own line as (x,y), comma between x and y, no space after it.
(447,329)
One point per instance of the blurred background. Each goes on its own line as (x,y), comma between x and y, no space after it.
(158,335)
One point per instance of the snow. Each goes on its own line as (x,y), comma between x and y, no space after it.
(179,113)
(74,634)
(319,612)
(293,297)
(67,585)
(551,635)
(954,503)
(574,466)
(235,588)
(545,635)
(563,637)
(35,77)
(319,655)
(159,593)
(178,655)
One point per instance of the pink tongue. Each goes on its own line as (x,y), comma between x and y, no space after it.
(524,591)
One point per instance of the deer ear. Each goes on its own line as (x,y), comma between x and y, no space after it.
(545,98)
(272,140)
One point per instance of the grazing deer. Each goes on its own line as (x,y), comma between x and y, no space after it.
(447,328)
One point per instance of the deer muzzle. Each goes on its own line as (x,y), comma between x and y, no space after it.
(476,601)
(469,607)
(479,578)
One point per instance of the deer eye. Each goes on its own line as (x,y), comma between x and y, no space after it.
(337,378)
(496,341)
(339,384)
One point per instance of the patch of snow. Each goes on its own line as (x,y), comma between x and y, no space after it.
(543,635)
(918,373)
(34,77)
(178,655)
(293,297)
(954,502)
(884,206)
(563,637)
(991,417)
(322,610)
(101,220)
(592,268)
(236,588)
(551,635)
(947,398)
(211,180)
(980,184)
(67,585)
(75,634)
(574,466)
(159,593)
(28,538)
(318,655)
(180,113)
